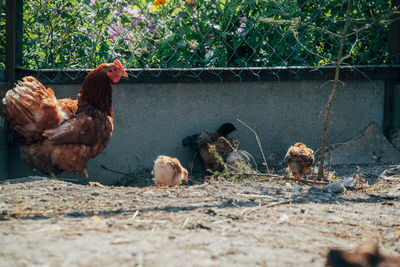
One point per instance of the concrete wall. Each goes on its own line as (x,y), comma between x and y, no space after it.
(152,119)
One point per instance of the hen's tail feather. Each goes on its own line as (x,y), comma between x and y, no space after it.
(31,108)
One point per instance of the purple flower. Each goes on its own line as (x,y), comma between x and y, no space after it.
(243,20)
(129,36)
(92,36)
(241,32)
(116,30)
(134,13)
(207,48)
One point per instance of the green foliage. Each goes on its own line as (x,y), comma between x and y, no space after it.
(208,33)
(233,172)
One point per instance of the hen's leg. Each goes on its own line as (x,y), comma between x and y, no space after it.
(85,174)
(53,176)
(296,176)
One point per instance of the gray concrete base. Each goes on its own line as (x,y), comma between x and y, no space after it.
(152,119)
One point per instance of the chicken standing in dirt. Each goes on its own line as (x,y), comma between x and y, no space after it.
(62,135)
(299,158)
(223,145)
(196,141)
(168,171)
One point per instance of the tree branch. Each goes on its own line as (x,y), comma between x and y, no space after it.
(333,93)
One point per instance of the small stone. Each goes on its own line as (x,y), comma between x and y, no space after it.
(394,191)
(148,193)
(283,218)
(349,182)
(334,188)
(297,188)
(288,186)
(302,210)
(302,200)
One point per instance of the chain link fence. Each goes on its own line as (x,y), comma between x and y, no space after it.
(184,34)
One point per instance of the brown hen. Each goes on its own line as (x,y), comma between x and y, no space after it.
(200,143)
(299,158)
(223,146)
(62,135)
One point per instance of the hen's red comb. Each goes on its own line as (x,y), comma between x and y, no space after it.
(118,64)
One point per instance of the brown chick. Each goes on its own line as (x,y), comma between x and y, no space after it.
(367,255)
(299,158)
(223,146)
(168,171)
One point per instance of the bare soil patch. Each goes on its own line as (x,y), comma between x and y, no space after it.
(249,223)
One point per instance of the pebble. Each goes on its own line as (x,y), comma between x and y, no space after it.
(283,218)
(394,191)
(335,188)
(349,182)
(148,193)
(297,188)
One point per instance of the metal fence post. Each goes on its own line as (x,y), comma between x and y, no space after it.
(392,86)
(14,46)
(14,36)
(394,50)
(10,41)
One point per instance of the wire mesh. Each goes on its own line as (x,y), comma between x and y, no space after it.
(217,34)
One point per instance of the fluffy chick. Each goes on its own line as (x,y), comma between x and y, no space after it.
(168,171)
(299,158)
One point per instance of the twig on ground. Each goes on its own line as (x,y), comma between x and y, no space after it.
(134,215)
(275,204)
(265,206)
(185,223)
(121,242)
(275,176)
(256,196)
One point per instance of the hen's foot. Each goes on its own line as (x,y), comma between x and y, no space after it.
(97,184)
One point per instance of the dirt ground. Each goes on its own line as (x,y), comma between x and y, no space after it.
(255,222)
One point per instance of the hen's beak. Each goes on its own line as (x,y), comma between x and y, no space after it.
(186,179)
(124,74)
